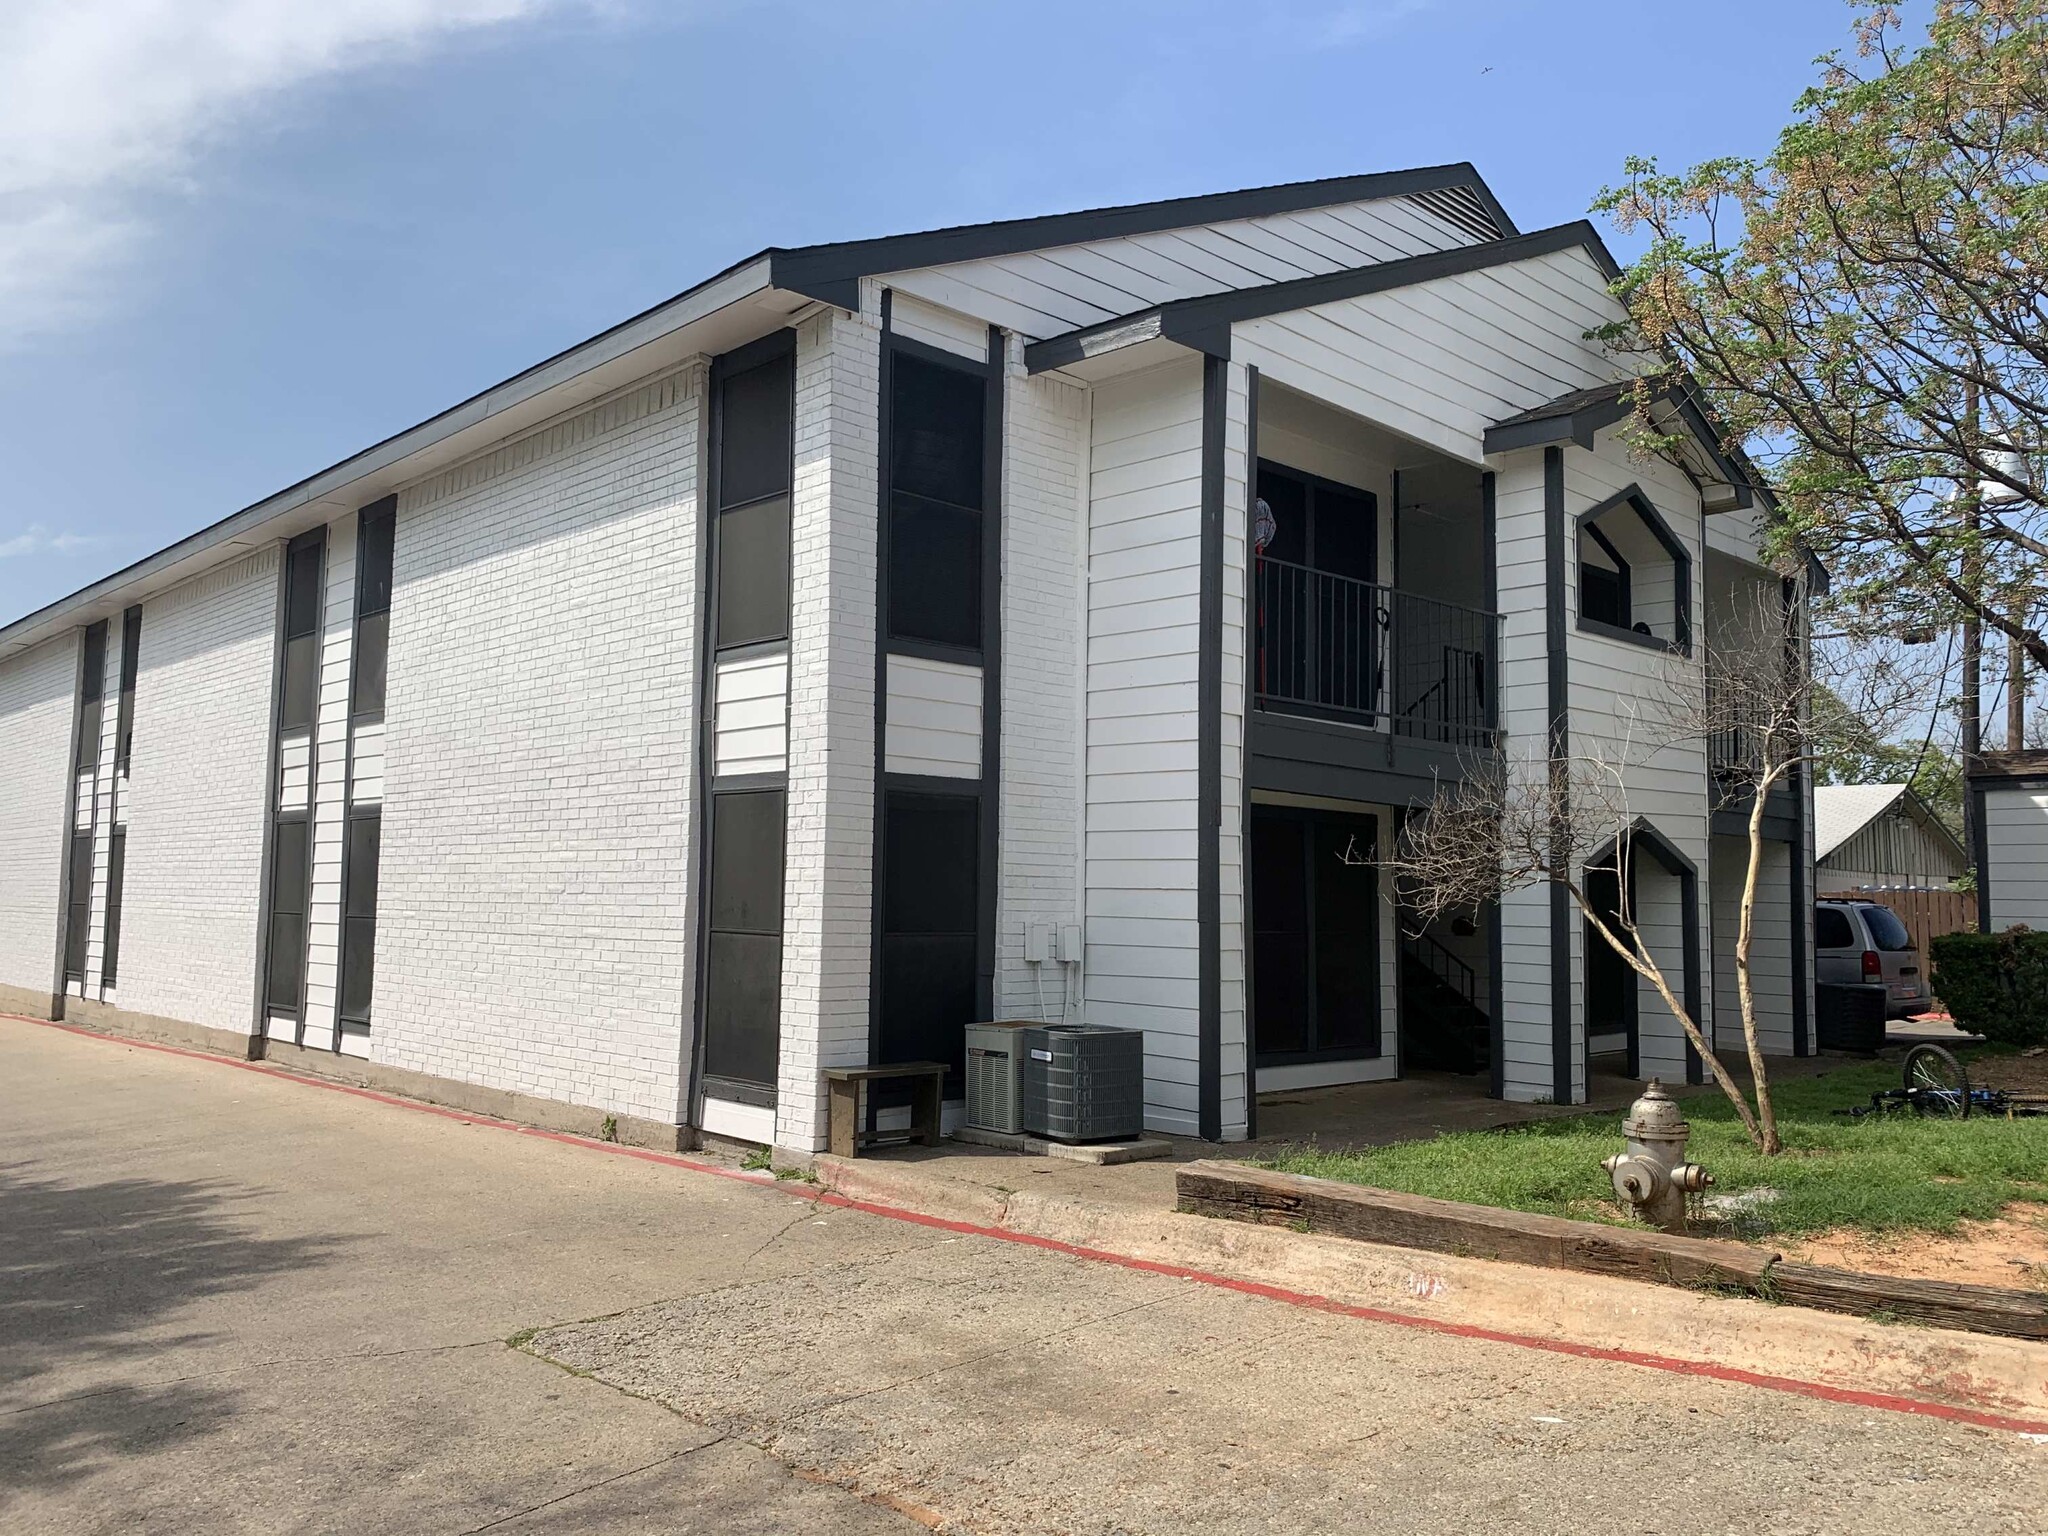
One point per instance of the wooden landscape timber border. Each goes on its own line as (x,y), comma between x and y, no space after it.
(1240,1192)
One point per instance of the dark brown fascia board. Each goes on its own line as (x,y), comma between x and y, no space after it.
(832,273)
(1203,324)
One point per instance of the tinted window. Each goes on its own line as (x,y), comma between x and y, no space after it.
(746,861)
(373,641)
(359,917)
(1600,595)
(931,850)
(1886,931)
(287,957)
(753,573)
(934,573)
(374,549)
(1831,929)
(117,862)
(754,432)
(935,430)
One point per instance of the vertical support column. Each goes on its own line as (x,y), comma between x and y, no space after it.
(317,1025)
(1233,926)
(1209,757)
(827,922)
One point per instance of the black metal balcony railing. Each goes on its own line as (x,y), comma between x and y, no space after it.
(1366,653)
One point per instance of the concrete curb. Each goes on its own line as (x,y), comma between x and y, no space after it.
(1720,1334)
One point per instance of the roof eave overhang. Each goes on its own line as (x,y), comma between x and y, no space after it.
(725,311)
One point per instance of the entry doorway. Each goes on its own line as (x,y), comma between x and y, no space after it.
(1315,935)
(1611,993)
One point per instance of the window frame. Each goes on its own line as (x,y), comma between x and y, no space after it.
(1634,499)
(988,516)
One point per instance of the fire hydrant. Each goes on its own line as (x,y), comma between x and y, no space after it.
(1653,1175)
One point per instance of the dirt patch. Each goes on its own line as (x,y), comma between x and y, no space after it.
(2011,1251)
(2015,1074)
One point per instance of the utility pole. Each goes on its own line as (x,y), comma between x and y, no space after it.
(2015,696)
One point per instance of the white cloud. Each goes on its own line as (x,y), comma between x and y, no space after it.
(35,539)
(1357,21)
(104,102)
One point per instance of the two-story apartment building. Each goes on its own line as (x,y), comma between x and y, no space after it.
(1051,618)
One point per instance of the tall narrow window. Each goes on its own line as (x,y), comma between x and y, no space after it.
(291,836)
(301,633)
(753,404)
(937,494)
(754,473)
(92,691)
(931,858)
(117,840)
(743,987)
(359,915)
(376,531)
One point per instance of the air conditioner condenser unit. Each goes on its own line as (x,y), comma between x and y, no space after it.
(992,1059)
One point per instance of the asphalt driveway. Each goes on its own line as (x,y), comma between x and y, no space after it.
(233,1301)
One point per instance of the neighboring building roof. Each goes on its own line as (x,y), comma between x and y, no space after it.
(1840,811)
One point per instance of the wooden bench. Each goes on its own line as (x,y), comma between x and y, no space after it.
(845,1138)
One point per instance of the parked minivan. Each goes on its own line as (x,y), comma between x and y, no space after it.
(1860,941)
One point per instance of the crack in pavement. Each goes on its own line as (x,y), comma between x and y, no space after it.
(574,1493)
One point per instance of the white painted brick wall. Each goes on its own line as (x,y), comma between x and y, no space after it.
(197,784)
(533,914)
(38,695)
(829,860)
(1045,440)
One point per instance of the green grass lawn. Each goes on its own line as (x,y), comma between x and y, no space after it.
(1891,1174)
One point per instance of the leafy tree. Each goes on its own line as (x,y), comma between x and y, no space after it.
(1848,749)
(1867,311)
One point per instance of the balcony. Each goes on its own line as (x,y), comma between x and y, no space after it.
(1363,654)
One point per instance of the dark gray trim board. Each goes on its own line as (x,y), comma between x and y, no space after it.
(58,986)
(1209,757)
(1203,323)
(1244,809)
(1557,677)
(1496,987)
(1638,501)
(1298,754)
(1732,820)
(831,273)
(995,445)
(260,1020)
(1578,417)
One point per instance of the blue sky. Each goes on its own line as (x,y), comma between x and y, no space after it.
(240,239)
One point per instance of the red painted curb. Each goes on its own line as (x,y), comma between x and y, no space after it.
(1705,1369)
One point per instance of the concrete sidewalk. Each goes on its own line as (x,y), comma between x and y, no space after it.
(231,1300)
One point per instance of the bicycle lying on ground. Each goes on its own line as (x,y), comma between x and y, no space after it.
(1937,1086)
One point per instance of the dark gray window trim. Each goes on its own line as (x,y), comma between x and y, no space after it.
(1606,631)
(1496,988)
(986,790)
(131,680)
(58,985)
(273,817)
(832,273)
(1244,809)
(1203,323)
(705,1085)
(1621,568)
(1557,679)
(259,1011)
(387,505)
(1209,759)
(1579,417)
(1634,497)
(374,811)
(750,648)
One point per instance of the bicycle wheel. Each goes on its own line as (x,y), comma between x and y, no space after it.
(1937,1083)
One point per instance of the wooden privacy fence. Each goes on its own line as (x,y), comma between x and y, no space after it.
(1925,913)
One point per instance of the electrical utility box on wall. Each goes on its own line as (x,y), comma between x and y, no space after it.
(993,1052)
(1081,1082)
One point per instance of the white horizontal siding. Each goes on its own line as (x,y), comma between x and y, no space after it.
(934,718)
(1770,953)
(1042,293)
(294,771)
(1442,361)
(1141,836)
(2016,839)
(750,724)
(938,327)
(367,770)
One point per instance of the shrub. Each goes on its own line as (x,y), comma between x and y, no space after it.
(1995,984)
